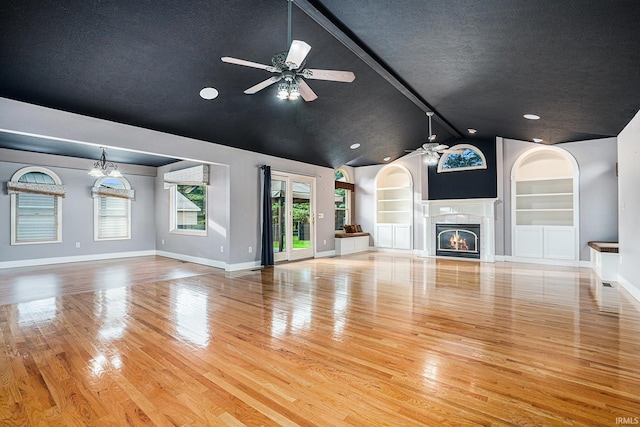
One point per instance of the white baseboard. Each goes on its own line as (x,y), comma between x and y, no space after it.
(77,258)
(197,260)
(325,254)
(544,261)
(501,258)
(395,251)
(251,265)
(634,291)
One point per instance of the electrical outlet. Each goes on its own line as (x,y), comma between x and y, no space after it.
(77,244)
(163,241)
(250,249)
(325,241)
(221,248)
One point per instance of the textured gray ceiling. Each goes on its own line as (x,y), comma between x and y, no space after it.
(480,64)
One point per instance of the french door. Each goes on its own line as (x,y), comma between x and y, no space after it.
(292,207)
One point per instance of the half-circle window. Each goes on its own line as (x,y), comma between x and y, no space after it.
(462,157)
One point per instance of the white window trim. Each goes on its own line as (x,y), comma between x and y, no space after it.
(173,189)
(96,210)
(347,217)
(463,147)
(14,205)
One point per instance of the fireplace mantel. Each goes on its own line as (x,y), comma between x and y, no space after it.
(461,211)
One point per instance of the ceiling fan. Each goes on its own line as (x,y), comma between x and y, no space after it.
(432,150)
(289,67)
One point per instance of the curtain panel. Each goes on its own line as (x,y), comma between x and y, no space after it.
(267,224)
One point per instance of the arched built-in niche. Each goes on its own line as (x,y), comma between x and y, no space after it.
(394,208)
(544,205)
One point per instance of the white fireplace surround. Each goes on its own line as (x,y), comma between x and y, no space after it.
(461,211)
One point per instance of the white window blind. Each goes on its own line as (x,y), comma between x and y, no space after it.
(196,175)
(112,208)
(36,218)
(113,218)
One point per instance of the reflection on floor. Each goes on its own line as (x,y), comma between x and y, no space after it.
(366,339)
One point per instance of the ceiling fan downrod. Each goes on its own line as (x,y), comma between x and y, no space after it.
(290,2)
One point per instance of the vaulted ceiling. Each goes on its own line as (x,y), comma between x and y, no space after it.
(477,64)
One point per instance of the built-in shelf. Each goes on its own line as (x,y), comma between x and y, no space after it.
(544,204)
(394,208)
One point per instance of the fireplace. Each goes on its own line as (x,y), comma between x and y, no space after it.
(480,213)
(458,240)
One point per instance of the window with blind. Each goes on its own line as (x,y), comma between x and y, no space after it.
(36,200)
(112,208)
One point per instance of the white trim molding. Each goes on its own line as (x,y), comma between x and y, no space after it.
(461,211)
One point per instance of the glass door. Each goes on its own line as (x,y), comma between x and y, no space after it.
(292,216)
(279,217)
(302,227)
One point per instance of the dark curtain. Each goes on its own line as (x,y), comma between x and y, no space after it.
(267,225)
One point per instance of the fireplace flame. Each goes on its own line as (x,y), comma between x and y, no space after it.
(458,243)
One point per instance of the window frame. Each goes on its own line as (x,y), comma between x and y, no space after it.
(14,208)
(348,195)
(97,208)
(173,191)
(463,147)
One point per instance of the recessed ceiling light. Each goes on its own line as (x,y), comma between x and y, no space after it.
(531,116)
(386,159)
(472,131)
(209,93)
(354,146)
(537,140)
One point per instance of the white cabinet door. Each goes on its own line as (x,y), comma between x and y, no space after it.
(559,243)
(402,237)
(384,235)
(528,242)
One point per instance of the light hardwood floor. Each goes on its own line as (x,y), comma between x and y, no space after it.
(368,339)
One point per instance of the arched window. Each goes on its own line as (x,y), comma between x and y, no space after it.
(343,192)
(36,206)
(112,208)
(462,157)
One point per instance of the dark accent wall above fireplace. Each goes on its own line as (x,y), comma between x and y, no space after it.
(471,184)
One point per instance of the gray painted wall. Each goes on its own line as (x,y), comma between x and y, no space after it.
(629,195)
(596,160)
(209,246)
(243,170)
(77,217)
(598,189)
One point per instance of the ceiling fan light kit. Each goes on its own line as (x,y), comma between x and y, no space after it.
(431,150)
(290,67)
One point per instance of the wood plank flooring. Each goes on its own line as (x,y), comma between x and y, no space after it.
(367,339)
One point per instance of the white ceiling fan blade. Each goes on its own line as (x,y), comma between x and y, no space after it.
(305,91)
(297,53)
(262,85)
(237,61)
(413,153)
(440,147)
(453,151)
(331,75)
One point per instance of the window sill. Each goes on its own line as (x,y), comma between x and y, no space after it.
(202,233)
